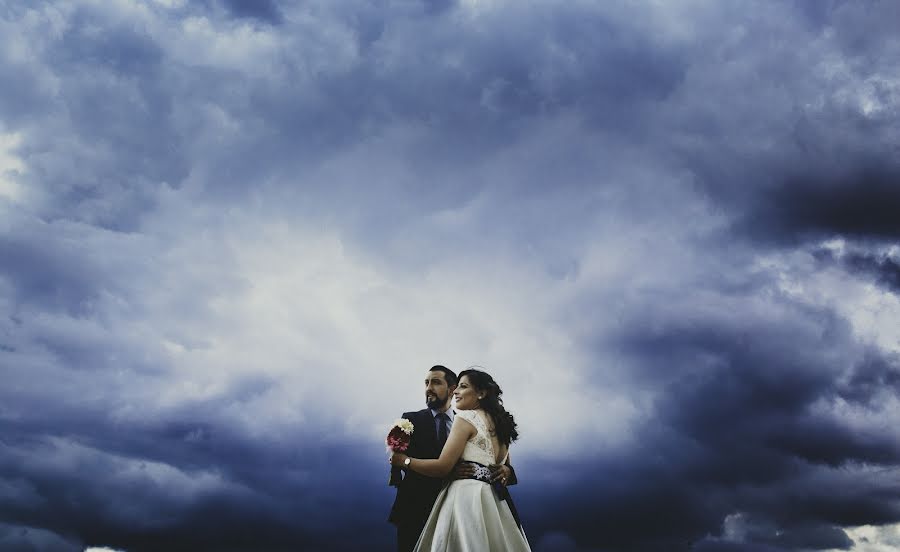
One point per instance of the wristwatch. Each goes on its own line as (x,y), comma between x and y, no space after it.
(407,461)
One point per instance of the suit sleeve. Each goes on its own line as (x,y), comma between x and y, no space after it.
(396,477)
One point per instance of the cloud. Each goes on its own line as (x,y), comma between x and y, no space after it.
(10,166)
(879,265)
(735,429)
(856,206)
(233,235)
(21,537)
(266,11)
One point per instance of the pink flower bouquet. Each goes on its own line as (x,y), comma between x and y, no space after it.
(398,437)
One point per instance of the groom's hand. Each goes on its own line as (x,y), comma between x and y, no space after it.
(463,470)
(500,473)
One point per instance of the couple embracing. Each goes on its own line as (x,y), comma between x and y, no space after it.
(451,481)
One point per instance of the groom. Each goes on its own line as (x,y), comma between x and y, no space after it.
(416,493)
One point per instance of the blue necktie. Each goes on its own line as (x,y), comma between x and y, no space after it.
(442,429)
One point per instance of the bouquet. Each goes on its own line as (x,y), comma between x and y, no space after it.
(398,437)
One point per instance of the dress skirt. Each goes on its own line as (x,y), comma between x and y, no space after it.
(469,517)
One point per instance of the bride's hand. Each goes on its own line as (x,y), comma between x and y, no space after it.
(397,460)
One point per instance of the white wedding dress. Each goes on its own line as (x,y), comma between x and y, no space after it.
(467,515)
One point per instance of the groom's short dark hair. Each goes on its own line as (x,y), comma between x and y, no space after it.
(449,375)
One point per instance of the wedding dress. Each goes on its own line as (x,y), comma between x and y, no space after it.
(468,516)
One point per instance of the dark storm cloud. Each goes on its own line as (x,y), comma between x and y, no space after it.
(808,195)
(870,262)
(524,129)
(859,205)
(190,482)
(874,377)
(263,10)
(743,426)
(30,539)
(795,134)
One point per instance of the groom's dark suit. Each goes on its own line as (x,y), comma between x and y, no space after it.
(415,493)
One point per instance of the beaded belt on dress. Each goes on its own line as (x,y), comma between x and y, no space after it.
(482,472)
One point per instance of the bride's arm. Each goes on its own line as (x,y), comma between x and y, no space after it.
(461,431)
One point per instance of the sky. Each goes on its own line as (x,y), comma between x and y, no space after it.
(235,234)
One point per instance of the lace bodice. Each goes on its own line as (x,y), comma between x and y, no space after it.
(479,447)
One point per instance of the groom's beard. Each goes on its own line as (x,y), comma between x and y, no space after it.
(436,403)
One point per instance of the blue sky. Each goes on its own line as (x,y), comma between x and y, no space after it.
(234,235)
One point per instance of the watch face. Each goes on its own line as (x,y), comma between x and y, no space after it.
(407,461)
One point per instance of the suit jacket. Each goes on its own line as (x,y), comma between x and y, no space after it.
(416,493)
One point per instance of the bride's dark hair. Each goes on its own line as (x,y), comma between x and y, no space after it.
(504,423)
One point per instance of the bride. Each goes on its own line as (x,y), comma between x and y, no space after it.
(470,514)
